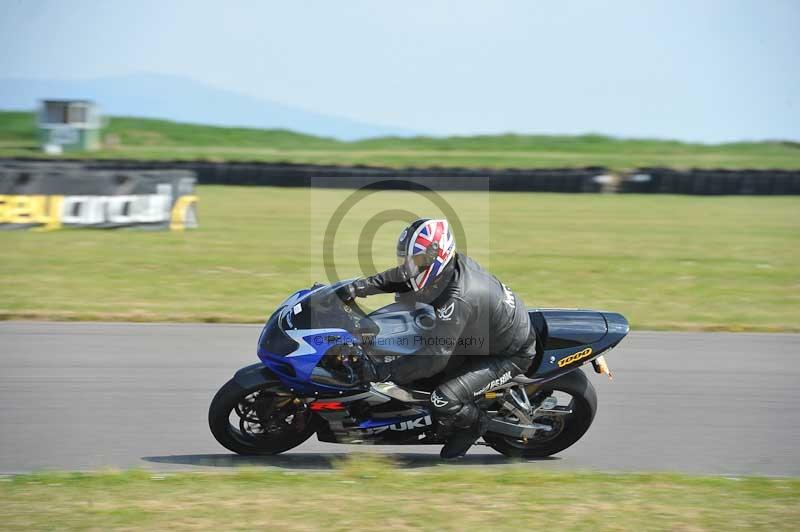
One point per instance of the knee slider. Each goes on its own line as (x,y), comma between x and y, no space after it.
(466,416)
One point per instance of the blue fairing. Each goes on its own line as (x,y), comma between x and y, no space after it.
(292,350)
(308,324)
(384,422)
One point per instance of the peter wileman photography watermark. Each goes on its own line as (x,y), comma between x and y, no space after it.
(354,233)
(414,341)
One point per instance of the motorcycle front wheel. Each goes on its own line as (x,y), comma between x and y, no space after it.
(575,394)
(259,421)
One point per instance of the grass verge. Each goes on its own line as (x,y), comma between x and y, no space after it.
(368,494)
(665,262)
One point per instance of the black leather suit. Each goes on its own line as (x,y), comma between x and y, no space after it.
(480,323)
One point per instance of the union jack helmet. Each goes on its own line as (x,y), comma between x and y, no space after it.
(424,249)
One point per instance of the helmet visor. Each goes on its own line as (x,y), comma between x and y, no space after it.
(414,264)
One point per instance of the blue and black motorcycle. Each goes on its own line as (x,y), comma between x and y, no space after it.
(313,350)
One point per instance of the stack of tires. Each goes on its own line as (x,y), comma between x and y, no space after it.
(711,182)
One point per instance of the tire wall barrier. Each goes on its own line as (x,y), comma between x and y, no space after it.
(575,180)
(711,182)
(55,195)
(296,175)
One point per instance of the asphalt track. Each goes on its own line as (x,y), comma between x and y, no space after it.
(81,396)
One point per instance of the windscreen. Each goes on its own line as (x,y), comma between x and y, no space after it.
(324,309)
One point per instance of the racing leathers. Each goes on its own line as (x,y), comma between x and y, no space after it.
(482,335)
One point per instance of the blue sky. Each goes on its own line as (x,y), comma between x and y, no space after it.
(707,71)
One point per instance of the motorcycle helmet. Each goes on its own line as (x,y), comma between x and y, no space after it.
(425,251)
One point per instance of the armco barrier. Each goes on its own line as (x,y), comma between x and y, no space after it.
(50,196)
(711,182)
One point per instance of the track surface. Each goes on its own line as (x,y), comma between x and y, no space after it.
(93,395)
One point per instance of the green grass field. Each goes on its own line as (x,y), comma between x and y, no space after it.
(370,495)
(139,138)
(666,262)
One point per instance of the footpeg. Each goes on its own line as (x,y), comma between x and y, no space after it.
(549,403)
(549,406)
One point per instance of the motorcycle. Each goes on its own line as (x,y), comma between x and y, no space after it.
(313,350)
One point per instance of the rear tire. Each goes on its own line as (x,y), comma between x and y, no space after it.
(219,413)
(584,408)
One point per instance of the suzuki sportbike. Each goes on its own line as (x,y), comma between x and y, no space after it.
(313,350)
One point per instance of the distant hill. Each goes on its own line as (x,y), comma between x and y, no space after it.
(183,100)
(142,138)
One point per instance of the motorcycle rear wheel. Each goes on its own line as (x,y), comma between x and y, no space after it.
(287,424)
(575,425)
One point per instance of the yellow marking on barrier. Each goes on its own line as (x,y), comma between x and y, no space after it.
(31,209)
(21,209)
(45,211)
(54,213)
(3,208)
(178,214)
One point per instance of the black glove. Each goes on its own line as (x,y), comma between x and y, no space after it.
(357,288)
(346,292)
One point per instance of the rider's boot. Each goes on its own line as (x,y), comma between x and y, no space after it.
(464,437)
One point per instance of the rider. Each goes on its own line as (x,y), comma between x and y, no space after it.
(475,315)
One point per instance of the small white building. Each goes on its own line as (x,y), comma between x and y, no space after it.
(69,125)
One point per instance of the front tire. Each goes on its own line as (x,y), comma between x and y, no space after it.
(265,421)
(575,425)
